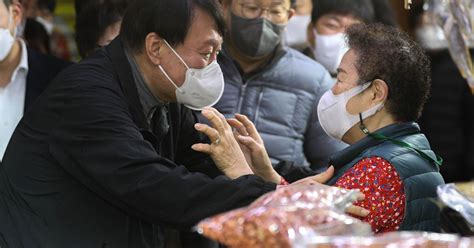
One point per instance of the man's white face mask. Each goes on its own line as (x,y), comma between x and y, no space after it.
(295,33)
(329,50)
(201,88)
(7,39)
(333,115)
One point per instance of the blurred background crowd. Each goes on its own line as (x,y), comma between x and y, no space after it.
(70,30)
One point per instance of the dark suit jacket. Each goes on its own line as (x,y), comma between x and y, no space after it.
(83,169)
(41,71)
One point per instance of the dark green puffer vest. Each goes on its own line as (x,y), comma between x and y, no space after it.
(419,175)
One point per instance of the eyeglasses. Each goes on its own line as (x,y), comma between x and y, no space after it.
(276,13)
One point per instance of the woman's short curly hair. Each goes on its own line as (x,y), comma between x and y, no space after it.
(389,54)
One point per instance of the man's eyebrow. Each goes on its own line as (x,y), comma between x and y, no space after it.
(211,42)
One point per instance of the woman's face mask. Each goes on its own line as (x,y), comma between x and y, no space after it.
(333,111)
(201,88)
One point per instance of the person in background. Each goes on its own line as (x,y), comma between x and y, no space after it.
(329,21)
(448,117)
(382,83)
(80,4)
(28,12)
(24,73)
(295,33)
(37,37)
(384,12)
(59,32)
(98,23)
(110,154)
(45,14)
(276,86)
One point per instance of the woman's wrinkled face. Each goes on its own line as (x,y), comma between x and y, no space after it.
(347,75)
(348,78)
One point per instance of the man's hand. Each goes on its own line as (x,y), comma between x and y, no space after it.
(224,149)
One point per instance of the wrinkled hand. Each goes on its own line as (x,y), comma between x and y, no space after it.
(224,149)
(320,178)
(356,210)
(253,148)
(323,178)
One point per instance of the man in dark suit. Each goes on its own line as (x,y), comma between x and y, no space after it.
(24,73)
(105,156)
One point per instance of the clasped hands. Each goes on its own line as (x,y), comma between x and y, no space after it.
(237,150)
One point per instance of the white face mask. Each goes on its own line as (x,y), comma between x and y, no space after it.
(431,37)
(333,115)
(49,26)
(295,33)
(201,88)
(6,40)
(329,50)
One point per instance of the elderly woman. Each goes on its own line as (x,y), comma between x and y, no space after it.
(382,84)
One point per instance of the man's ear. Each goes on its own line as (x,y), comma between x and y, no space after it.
(153,48)
(379,91)
(17,11)
(291,13)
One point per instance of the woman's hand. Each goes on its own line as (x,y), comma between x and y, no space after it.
(253,148)
(320,178)
(323,178)
(224,149)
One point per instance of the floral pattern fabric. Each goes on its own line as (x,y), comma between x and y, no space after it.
(384,193)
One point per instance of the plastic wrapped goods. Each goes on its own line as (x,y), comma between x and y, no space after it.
(279,218)
(457,20)
(459,197)
(391,240)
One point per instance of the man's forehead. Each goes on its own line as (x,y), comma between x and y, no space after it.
(214,41)
(204,29)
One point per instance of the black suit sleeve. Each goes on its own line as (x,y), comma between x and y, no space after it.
(292,172)
(98,143)
(194,161)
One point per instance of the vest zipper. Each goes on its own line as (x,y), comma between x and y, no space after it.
(257,111)
(241,99)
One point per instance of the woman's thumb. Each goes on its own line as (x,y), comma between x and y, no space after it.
(325,176)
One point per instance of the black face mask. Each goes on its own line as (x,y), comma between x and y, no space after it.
(255,37)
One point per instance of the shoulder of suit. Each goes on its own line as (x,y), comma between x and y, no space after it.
(37,59)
